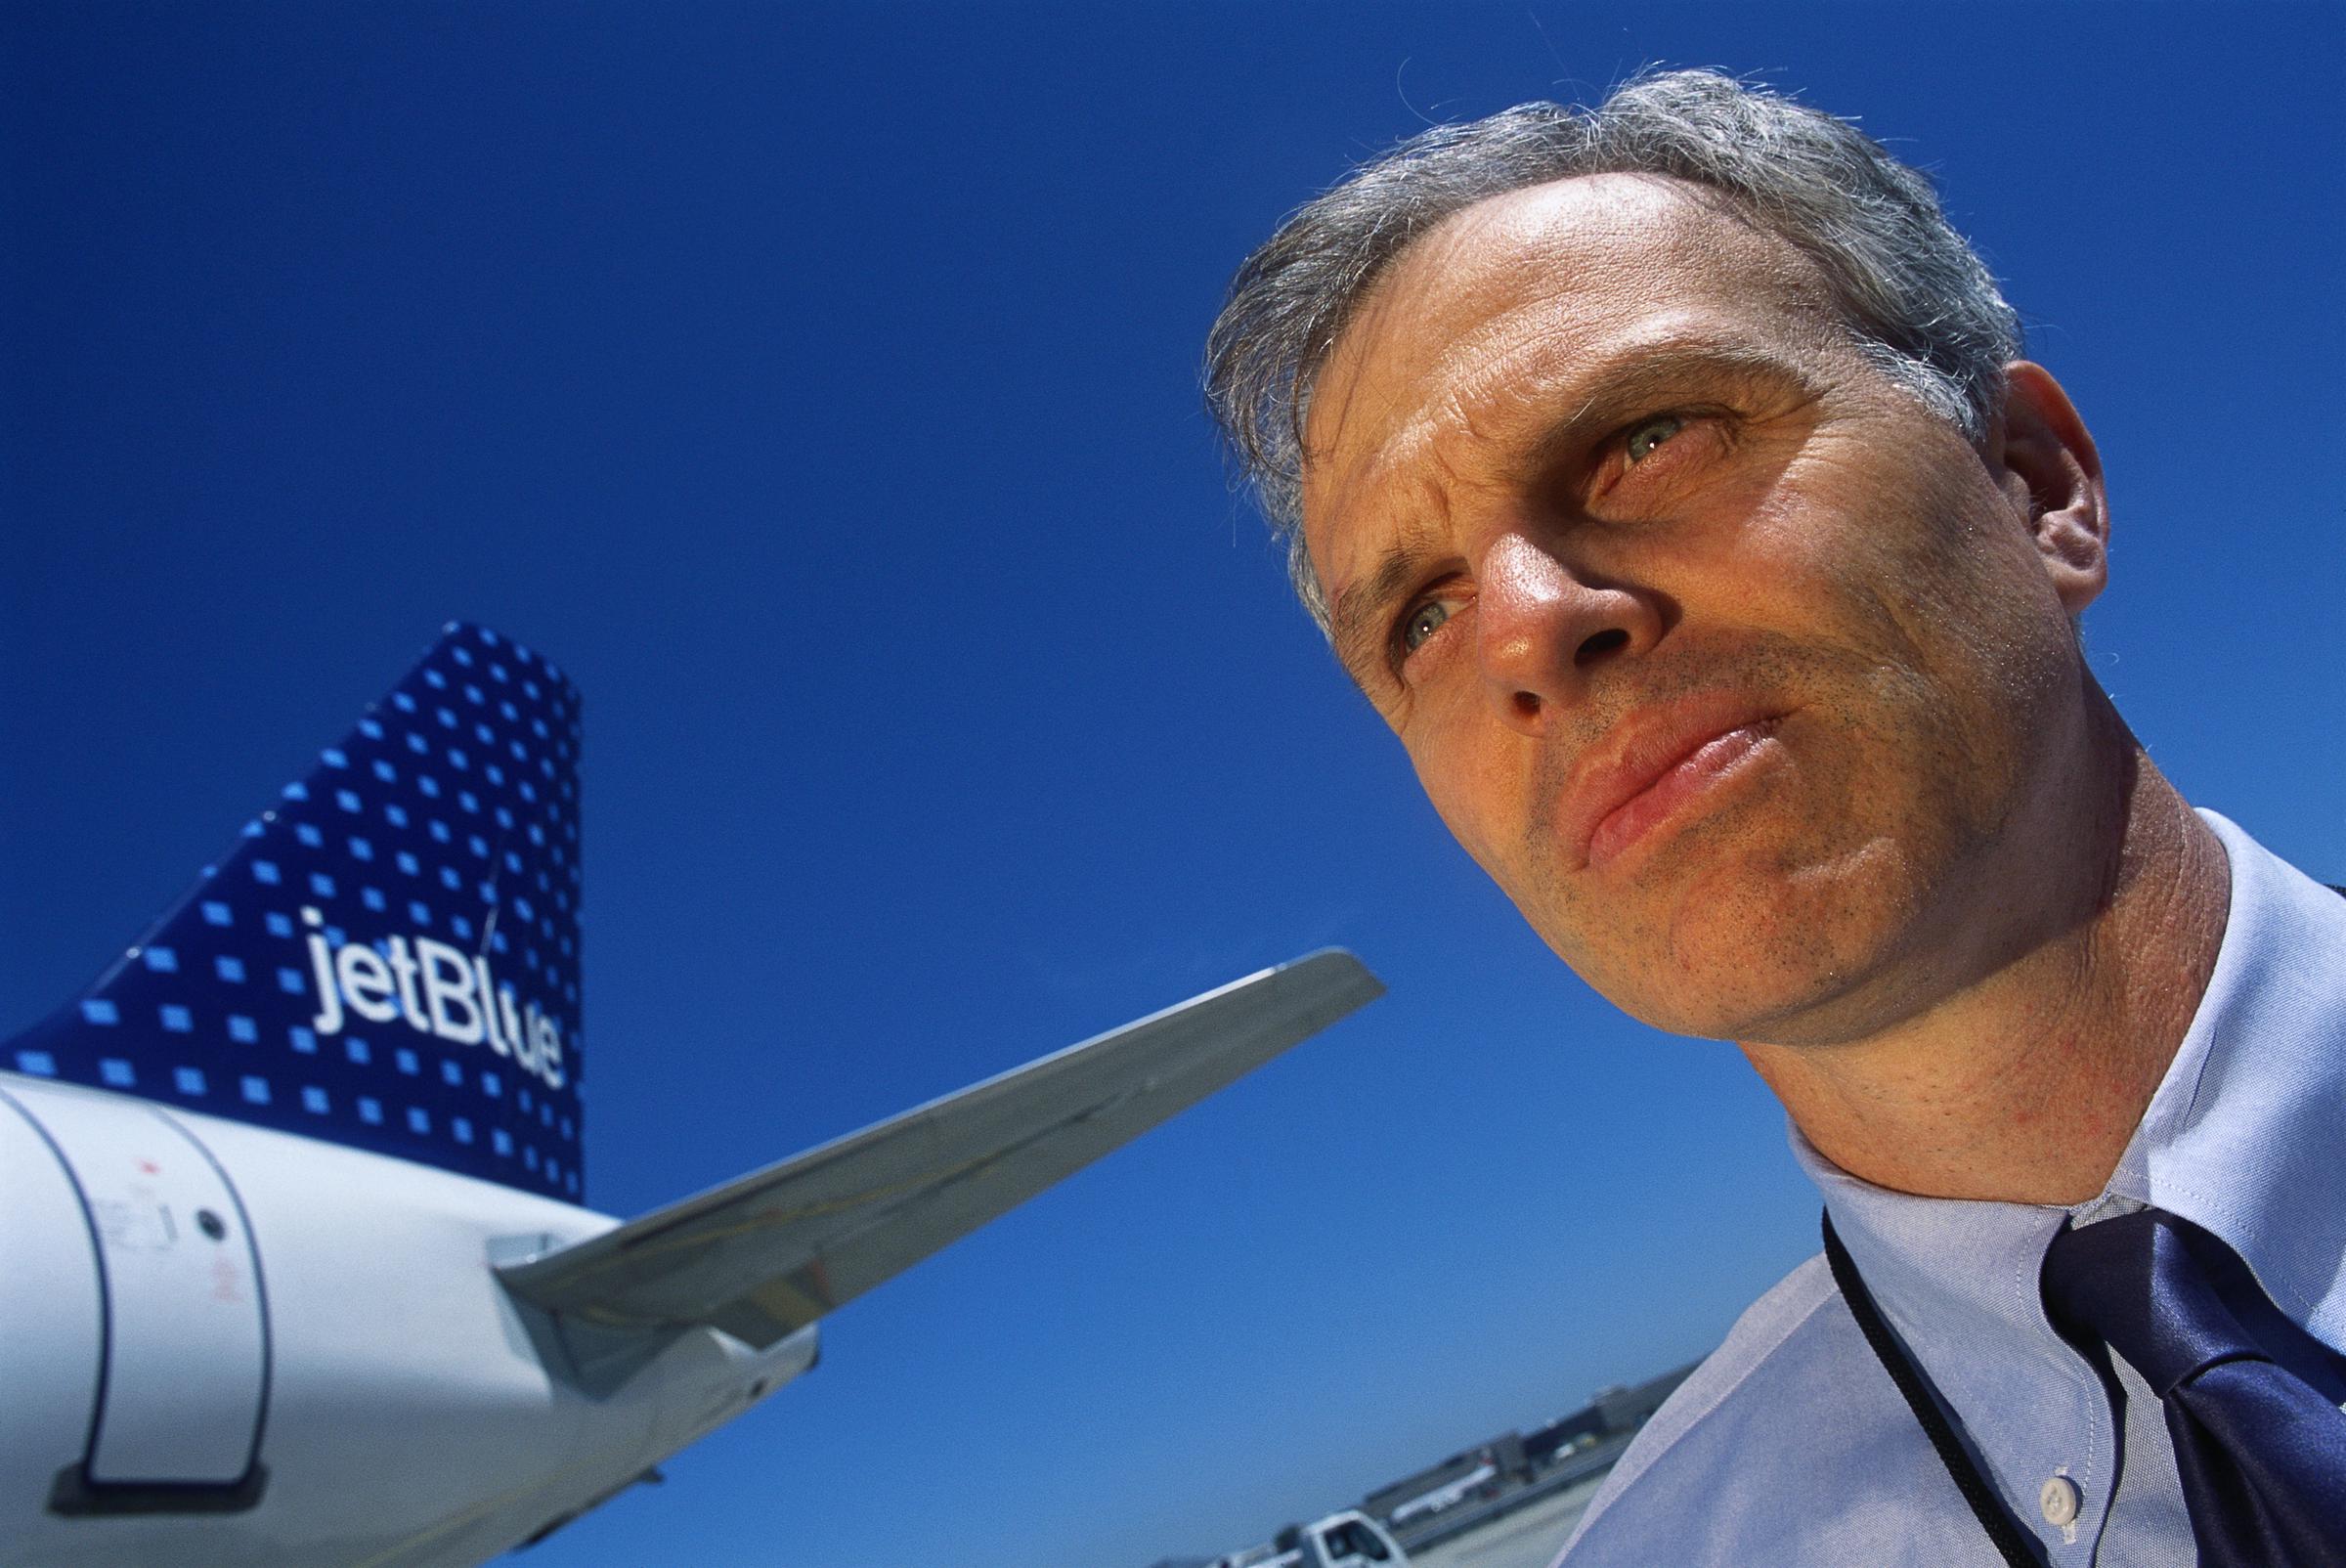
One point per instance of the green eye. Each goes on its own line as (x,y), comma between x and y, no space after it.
(1651,434)
(1423,622)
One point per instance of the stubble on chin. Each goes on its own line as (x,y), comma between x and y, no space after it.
(1789,910)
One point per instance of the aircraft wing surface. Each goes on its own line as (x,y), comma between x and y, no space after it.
(773,1250)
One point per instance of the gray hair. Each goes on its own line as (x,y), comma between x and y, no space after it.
(1915,299)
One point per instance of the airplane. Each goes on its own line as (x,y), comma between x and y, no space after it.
(298,1270)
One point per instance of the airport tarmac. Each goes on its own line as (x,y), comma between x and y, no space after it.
(1529,1538)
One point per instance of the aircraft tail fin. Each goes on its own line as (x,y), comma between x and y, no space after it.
(769,1252)
(389,956)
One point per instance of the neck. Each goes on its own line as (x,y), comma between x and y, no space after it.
(2025,1085)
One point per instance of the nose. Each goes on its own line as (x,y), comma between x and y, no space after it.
(1544,632)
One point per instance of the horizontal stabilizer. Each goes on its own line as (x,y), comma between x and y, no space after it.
(776,1250)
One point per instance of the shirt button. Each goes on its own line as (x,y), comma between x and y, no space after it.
(2057,1500)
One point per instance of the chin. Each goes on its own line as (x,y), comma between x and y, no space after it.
(1753,1001)
(1744,954)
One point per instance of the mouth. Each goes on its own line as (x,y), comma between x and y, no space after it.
(1661,772)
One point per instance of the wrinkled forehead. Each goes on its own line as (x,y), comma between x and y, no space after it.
(1544,282)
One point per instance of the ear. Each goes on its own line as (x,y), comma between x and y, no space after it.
(2047,460)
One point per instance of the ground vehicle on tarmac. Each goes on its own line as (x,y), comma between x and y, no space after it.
(1347,1539)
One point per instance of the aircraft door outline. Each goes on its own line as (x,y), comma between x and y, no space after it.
(184,1380)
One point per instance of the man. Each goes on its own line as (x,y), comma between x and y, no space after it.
(1668,477)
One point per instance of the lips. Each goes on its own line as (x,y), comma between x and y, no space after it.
(1655,765)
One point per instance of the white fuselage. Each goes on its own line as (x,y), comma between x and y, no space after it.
(222,1344)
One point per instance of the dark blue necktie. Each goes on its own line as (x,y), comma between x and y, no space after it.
(2251,1399)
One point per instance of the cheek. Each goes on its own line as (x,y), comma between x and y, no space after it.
(1828,530)
(1951,651)
(1920,564)
(1476,785)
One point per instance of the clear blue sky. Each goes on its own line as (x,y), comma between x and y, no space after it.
(818,387)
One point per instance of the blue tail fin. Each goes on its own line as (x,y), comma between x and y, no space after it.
(390,957)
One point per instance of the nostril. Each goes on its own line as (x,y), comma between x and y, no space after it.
(1611,640)
(1526,705)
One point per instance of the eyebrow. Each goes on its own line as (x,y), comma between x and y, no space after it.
(1360,607)
(1635,375)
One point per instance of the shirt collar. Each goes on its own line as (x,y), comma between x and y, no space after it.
(2240,1138)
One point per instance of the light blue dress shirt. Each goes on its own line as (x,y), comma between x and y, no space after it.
(1791,1448)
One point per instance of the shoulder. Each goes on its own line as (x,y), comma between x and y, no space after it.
(1719,1389)
(1790,1444)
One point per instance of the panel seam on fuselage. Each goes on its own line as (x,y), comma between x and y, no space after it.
(106,1317)
(260,1290)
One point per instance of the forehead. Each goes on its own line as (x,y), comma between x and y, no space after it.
(1508,301)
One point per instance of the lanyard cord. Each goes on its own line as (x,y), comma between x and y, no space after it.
(2018,1548)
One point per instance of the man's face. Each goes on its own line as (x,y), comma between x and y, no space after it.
(1741,672)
